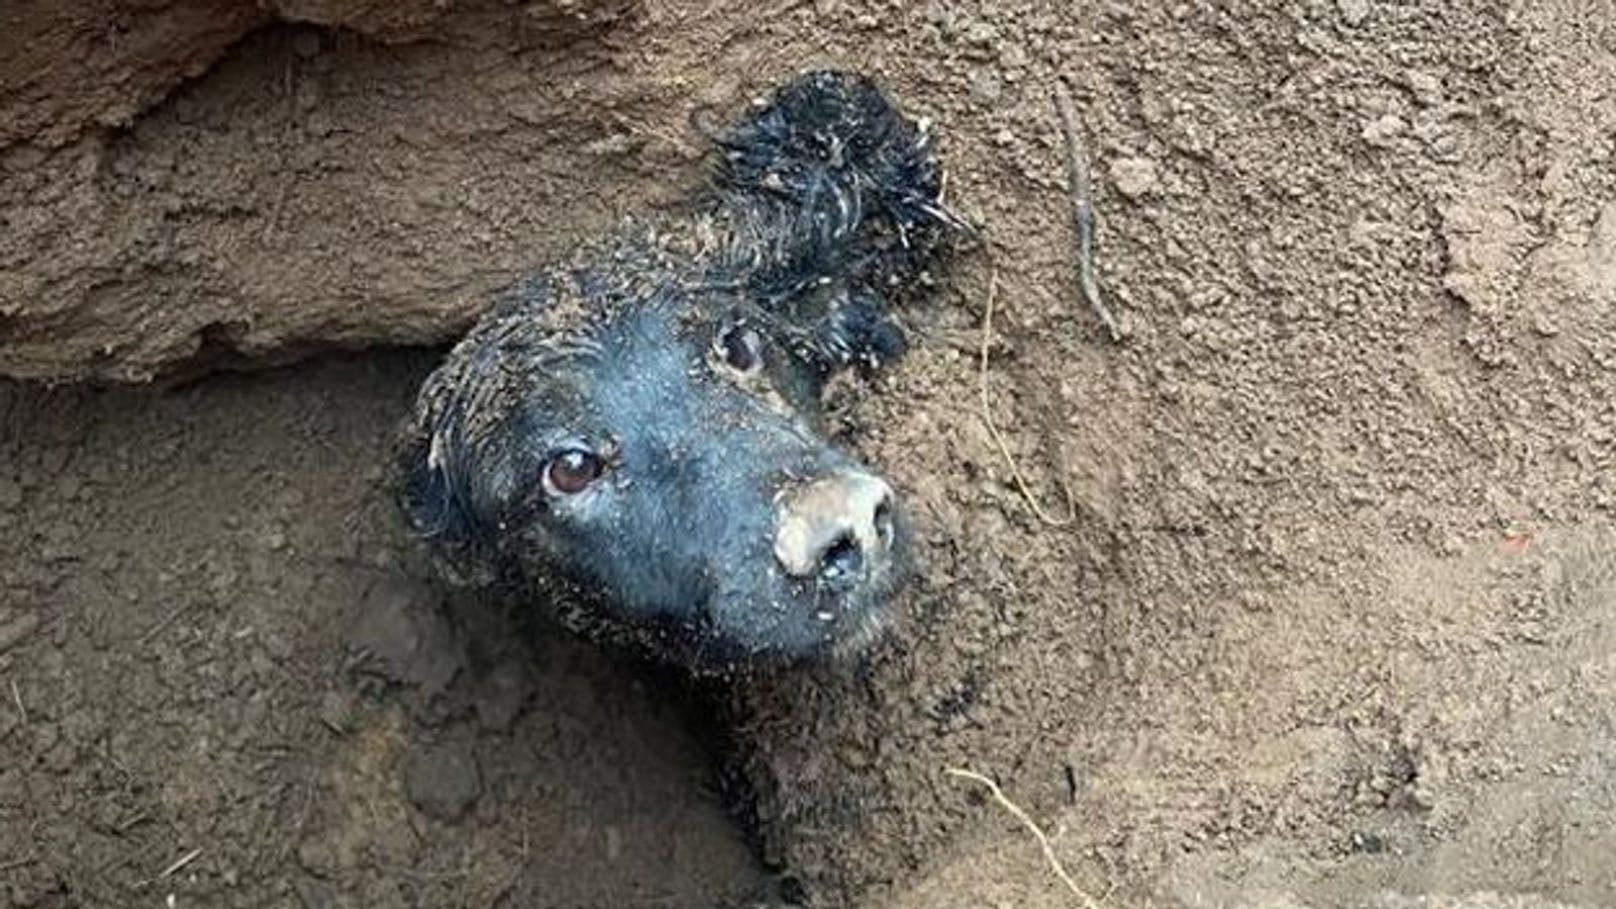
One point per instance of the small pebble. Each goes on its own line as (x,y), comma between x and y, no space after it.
(317,857)
(1381,130)
(336,712)
(1426,88)
(1353,12)
(1134,177)
(985,87)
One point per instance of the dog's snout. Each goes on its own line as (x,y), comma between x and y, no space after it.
(836,528)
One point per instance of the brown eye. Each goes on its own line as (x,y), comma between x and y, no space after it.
(741,349)
(572,471)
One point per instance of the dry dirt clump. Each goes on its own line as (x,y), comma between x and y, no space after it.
(1334,622)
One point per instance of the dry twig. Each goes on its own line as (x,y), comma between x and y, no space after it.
(16,696)
(1026,820)
(1081,191)
(180,862)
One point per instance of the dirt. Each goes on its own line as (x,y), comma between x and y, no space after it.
(312,178)
(75,67)
(229,651)
(1320,611)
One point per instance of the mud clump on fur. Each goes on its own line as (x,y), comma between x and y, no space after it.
(630,440)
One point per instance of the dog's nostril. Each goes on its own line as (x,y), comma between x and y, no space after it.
(883,520)
(841,561)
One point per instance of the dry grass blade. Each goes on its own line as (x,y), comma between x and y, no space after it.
(1080,189)
(1026,820)
(181,862)
(998,437)
(16,697)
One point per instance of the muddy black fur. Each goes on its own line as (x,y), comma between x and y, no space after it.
(821,215)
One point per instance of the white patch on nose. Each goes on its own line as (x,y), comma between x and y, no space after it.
(812,518)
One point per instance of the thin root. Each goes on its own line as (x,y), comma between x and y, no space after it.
(1081,191)
(998,437)
(16,697)
(1026,820)
(181,862)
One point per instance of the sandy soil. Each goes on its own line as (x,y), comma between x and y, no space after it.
(1332,623)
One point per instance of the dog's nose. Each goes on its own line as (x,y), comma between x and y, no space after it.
(835,528)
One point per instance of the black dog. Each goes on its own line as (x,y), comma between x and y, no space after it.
(631,438)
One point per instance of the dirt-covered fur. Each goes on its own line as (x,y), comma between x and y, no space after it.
(631,438)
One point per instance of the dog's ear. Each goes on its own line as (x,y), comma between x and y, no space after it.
(434,470)
(427,492)
(458,461)
(434,506)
